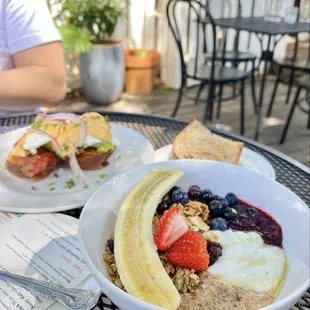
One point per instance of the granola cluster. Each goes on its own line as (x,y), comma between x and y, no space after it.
(196,208)
(185,280)
(109,258)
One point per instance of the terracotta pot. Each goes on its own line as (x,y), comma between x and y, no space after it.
(141,70)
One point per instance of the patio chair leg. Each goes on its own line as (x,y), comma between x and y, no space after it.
(201,87)
(209,104)
(212,104)
(179,99)
(253,89)
(272,98)
(288,95)
(242,109)
(219,104)
(289,118)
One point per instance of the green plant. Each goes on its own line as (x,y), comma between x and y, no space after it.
(75,41)
(84,22)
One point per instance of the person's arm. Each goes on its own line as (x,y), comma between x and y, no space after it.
(35,46)
(39,75)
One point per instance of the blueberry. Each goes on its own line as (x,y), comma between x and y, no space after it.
(178,196)
(215,197)
(232,199)
(184,200)
(175,189)
(216,208)
(194,192)
(163,206)
(224,202)
(229,214)
(219,223)
(206,195)
(111,245)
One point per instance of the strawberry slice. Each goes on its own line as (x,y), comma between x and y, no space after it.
(190,242)
(197,262)
(171,227)
(190,251)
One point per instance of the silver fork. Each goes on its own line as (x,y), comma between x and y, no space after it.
(76,299)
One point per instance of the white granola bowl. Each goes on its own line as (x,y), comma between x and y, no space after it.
(98,219)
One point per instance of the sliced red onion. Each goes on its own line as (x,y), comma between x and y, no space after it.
(54,142)
(77,170)
(74,118)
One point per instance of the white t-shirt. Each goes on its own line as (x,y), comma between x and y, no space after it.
(24,24)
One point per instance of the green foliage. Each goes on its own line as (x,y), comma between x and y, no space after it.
(76,41)
(84,22)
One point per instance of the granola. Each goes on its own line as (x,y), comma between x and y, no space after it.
(109,258)
(185,280)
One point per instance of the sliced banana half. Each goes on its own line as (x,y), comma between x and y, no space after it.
(137,260)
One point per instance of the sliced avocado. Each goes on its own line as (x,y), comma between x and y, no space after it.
(37,124)
(105,147)
(49,146)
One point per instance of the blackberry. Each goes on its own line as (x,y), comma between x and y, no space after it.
(215,251)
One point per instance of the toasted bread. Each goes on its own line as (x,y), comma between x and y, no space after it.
(197,142)
(90,159)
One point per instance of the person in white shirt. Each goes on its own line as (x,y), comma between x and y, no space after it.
(32,65)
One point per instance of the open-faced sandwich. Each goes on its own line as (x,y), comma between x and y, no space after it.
(85,142)
(197,142)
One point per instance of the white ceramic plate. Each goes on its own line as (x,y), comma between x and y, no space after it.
(27,196)
(282,204)
(248,159)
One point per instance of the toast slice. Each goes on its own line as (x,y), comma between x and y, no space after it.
(197,142)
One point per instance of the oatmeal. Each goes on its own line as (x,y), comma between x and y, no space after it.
(213,294)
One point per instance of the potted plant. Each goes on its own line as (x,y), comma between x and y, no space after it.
(141,69)
(86,28)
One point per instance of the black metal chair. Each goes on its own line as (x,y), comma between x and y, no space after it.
(235,56)
(302,83)
(215,74)
(288,70)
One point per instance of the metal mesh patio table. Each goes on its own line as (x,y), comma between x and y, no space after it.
(160,132)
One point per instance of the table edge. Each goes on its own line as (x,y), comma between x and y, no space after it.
(271,33)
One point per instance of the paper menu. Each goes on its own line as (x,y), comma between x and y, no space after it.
(42,246)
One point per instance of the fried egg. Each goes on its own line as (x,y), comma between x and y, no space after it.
(247,261)
(35,141)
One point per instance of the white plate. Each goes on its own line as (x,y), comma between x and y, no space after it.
(27,196)
(248,159)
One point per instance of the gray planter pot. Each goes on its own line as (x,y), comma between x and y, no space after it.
(103,73)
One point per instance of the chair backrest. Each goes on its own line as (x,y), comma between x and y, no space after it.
(197,12)
(228,11)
